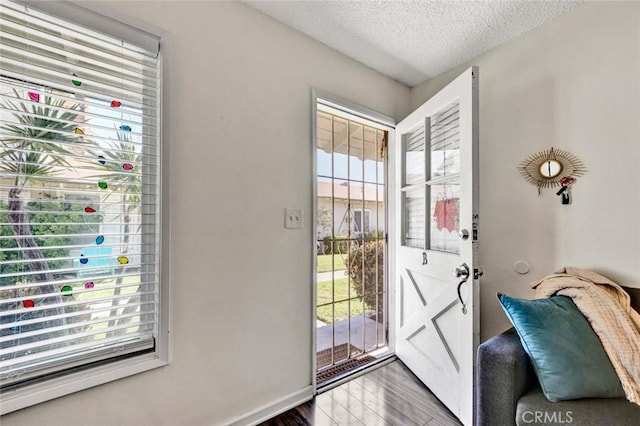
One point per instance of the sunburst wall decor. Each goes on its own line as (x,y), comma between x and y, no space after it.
(546,169)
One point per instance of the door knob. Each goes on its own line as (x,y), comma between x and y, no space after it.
(463,234)
(461,271)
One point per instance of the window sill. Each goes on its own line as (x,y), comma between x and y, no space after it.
(36,393)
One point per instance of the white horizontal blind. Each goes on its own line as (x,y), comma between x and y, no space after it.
(444,185)
(413,190)
(79,195)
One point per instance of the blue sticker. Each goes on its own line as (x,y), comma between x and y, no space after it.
(125,128)
(83,259)
(102,160)
(100,239)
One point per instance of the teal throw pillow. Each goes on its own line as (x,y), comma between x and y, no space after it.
(566,354)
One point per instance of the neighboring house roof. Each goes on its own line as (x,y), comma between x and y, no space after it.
(354,191)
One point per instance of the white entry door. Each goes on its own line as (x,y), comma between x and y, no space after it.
(436,321)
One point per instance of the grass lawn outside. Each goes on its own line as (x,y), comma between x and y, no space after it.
(101,289)
(341,308)
(324,262)
(129,286)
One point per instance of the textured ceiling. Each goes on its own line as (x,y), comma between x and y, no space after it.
(413,41)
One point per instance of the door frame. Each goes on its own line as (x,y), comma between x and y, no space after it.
(389,123)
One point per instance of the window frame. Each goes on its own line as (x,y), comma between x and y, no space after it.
(365,219)
(114,24)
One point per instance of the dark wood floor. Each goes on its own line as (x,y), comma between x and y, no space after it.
(390,395)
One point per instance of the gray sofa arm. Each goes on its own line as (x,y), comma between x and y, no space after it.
(504,374)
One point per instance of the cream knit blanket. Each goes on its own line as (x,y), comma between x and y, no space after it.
(607,308)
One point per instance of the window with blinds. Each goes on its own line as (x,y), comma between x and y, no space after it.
(79,196)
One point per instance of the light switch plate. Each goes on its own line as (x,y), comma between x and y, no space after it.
(293,218)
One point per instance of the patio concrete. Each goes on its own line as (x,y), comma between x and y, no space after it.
(325,332)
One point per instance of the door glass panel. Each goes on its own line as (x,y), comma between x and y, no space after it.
(325,144)
(350,245)
(356,151)
(445,180)
(340,147)
(413,220)
(445,218)
(414,165)
(445,143)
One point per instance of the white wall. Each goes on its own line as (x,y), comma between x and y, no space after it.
(241,154)
(570,84)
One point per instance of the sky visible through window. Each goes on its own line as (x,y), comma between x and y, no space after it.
(349,167)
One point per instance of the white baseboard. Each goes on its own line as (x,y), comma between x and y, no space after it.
(272,409)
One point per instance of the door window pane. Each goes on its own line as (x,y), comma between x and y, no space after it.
(340,148)
(444,218)
(414,165)
(350,229)
(356,151)
(413,221)
(445,143)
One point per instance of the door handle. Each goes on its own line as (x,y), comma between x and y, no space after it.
(462,271)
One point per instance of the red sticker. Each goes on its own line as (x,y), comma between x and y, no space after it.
(88,285)
(115,104)
(89,210)
(127,166)
(35,97)
(28,303)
